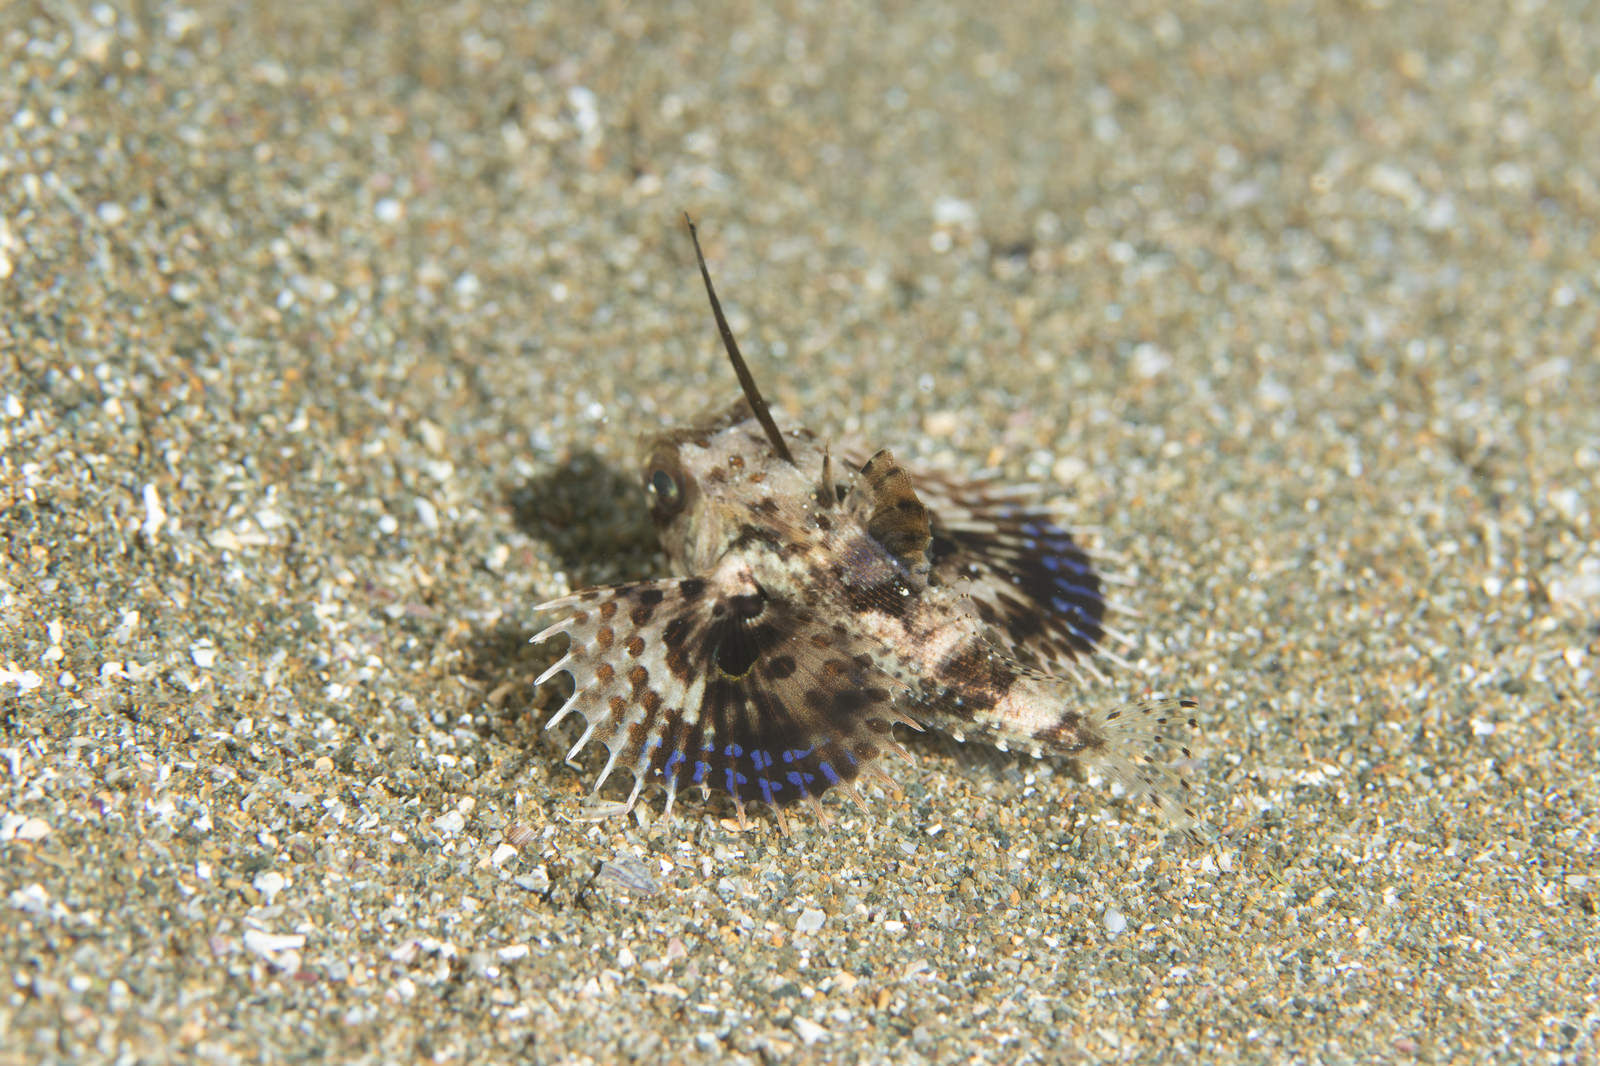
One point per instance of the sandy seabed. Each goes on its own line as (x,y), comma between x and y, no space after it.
(327,337)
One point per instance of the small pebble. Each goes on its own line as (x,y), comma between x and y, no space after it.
(807,1030)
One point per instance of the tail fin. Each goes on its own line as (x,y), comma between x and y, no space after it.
(1136,745)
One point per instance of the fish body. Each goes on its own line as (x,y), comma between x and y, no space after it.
(827,600)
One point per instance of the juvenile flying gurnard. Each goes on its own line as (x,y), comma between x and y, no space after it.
(827,601)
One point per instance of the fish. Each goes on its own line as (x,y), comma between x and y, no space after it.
(829,604)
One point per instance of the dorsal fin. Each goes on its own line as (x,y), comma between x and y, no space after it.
(827,495)
(758,406)
(896,519)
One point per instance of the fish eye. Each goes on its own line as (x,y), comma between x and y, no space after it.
(665,488)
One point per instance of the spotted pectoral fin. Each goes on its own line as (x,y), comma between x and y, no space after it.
(886,502)
(1030,580)
(710,681)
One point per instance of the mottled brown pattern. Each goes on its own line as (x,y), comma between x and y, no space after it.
(978,675)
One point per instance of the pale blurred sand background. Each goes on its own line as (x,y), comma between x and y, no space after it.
(328,336)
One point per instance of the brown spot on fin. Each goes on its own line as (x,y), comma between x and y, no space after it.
(894,516)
